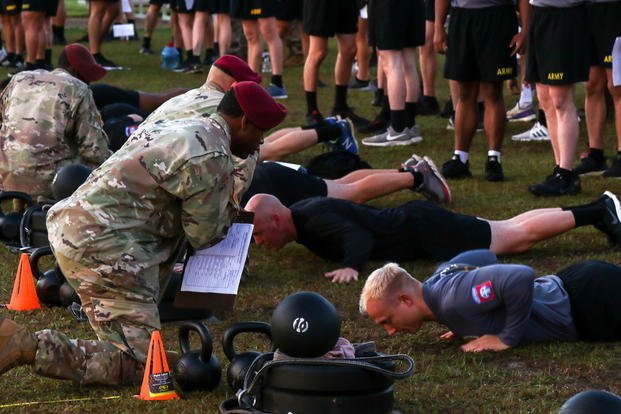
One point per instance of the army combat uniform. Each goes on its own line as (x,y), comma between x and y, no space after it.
(118,235)
(200,103)
(49,119)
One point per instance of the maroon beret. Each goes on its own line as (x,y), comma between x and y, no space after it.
(237,69)
(258,105)
(84,64)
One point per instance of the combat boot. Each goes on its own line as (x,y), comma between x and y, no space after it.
(17,345)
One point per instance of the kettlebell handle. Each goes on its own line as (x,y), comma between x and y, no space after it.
(201,329)
(15,194)
(34,258)
(229,335)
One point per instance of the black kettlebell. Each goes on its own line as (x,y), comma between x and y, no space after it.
(239,363)
(196,369)
(67,294)
(48,282)
(10,222)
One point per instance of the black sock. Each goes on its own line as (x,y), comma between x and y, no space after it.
(327,132)
(358,80)
(40,64)
(340,97)
(397,120)
(97,55)
(216,48)
(419,179)
(597,154)
(189,55)
(146,42)
(10,56)
(565,173)
(180,53)
(48,56)
(380,93)
(58,31)
(541,118)
(586,214)
(31,66)
(277,80)
(410,114)
(311,101)
(385,111)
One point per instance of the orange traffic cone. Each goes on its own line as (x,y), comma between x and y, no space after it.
(157,382)
(24,296)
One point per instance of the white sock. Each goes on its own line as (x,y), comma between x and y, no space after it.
(526,95)
(463,156)
(492,153)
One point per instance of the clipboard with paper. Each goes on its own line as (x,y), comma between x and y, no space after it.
(211,276)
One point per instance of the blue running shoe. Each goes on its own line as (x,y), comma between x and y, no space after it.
(347,140)
(277,92)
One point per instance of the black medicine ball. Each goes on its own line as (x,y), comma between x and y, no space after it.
(592,402)
(68,179)
(305,325)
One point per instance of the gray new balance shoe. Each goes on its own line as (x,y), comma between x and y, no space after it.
(434,186)
(392,138)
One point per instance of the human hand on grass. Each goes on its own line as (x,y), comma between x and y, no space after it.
(485,343)
(345,275)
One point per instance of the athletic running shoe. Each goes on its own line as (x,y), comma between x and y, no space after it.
(556,185)
(537,133)
(521,113)
(194,68)
(277,92)
(379,123)
(434,186)
(427,105)
(348,112)
(493,169)
(314,117)
(361,85)
(448,110)
(614,171)
(347,140)
(145,51)
(410,162)
(590,166)
(450,125)
(455,169)
(392,138)
(378,97)
(610,223)
(106,63)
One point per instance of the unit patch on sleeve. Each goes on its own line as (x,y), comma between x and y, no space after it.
(483,293)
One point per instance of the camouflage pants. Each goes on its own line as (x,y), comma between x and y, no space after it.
(122,309)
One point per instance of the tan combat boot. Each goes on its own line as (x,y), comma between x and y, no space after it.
(17,345)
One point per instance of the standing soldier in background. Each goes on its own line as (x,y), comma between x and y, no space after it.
(49,119)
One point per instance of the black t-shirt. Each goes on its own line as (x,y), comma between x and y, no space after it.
(352,233)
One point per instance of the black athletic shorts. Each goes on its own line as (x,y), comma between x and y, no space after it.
(396,24)
(202,6)
(253,9)
(221,6)
(159,2)
(180,6)
(604,27)
(478,44)
(558,50)
(325,18)
(286,184)
(593,287)
(441,234)
(430,10)
(47,6)
(289,10)
(11,7)
(105,94)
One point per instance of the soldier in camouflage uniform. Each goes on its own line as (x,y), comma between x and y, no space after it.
(49,119)
(118,235)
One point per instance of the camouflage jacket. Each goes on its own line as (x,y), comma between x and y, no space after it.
(171,179)
(201,103)
(49,119)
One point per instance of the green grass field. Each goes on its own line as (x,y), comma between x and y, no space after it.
(528,379)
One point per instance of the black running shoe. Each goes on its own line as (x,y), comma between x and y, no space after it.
(314,117)
(348,112)
(493,169)
(455,169)
(590,166)
(610,223)
(614,171)
(378,124)
(556,185)
(427,105)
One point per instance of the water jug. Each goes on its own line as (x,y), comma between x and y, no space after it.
(170,57)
